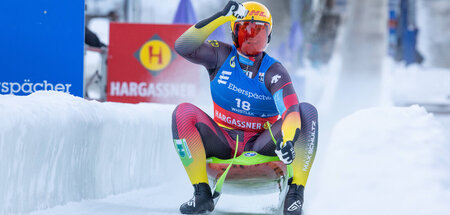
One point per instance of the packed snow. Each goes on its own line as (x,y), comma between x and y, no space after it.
(57,149)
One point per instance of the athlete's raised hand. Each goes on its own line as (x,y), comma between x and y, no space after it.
(285,152)
(235,9)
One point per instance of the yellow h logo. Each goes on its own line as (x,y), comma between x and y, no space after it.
(155,55)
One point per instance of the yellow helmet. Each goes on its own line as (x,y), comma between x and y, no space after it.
(252,33)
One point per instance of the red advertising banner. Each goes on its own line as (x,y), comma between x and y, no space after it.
(143,65)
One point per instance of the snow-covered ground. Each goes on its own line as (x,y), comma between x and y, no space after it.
(56,149)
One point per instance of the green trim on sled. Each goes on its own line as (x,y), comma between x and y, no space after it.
(246,158)
(249,158)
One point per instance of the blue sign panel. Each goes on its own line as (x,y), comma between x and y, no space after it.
(41,46)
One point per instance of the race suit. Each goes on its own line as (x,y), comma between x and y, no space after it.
(246,94)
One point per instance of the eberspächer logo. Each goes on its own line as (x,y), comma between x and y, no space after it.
(155,55)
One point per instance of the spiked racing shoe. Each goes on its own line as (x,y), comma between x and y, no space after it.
(293,202)
(202,201)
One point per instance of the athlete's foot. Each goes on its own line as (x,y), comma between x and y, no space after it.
(293,202)
(201,202)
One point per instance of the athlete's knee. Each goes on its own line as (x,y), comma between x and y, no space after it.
(185,106)
(184,110)
(307,106)
(183,117)
(308,109)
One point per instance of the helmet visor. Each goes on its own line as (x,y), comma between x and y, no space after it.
(252,36)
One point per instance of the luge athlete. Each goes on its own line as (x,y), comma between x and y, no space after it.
(249,88)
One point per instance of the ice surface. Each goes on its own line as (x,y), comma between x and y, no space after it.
(56,149)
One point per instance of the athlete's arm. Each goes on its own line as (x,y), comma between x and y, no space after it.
(279,83)
(191,45)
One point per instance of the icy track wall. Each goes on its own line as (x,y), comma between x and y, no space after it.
(361,48)
(56,148)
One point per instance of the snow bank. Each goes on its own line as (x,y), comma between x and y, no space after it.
(56,148)
(385,161)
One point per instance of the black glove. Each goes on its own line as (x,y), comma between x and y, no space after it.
(286,153)
(236,9)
